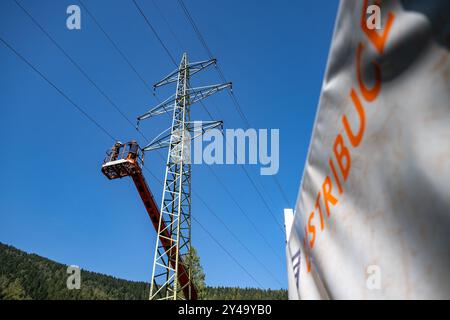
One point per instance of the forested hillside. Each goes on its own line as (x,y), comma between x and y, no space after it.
(29,276)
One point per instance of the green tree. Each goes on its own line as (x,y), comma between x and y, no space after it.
(29,276)
(198,275)
(14,291)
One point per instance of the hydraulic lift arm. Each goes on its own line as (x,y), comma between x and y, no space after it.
(124,160)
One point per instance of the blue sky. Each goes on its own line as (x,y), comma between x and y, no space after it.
(55,202)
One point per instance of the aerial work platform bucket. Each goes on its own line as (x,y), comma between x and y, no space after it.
(124,159)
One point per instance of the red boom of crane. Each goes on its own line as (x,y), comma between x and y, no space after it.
(124,160)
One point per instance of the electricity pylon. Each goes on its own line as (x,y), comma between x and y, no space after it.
(171,275)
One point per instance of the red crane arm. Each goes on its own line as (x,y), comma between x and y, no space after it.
(122,162)
(154,214)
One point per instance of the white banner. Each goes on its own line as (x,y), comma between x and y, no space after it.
(372,219)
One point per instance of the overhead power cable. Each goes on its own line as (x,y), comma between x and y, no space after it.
(228,228)
(105,96)
(245,214)
(62,93)
(116,47)
(107,133)
(74,63)
(204,107)
(154,31)
(227,252)
(214,238)
(130,66)
(113,104)
(174,35)
(222,77)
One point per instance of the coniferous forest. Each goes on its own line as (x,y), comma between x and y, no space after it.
(29,276)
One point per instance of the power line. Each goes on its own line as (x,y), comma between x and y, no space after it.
(209,53)
(211,236)
(263,199)
(197,31)
(116,47)
(82,71)
(104,95)
(203,105)
(237,238)
(174,35)
(174,62)
(254,186)
(222,76)
(141,78)
(226,226)
(74,63)
(229,231)
(124,57)
(211,118)
(154,32)
(227,252)
(80,109)
(280,188)
(12,49)
(244,213)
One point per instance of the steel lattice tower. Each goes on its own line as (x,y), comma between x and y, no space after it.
(171,275)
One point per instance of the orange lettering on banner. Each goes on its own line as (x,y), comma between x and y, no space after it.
(312,230)
(320,211)
(308,261)
(355,140)
(378,40)
(341,152)
(327,196)
(338,182)
(369,94)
